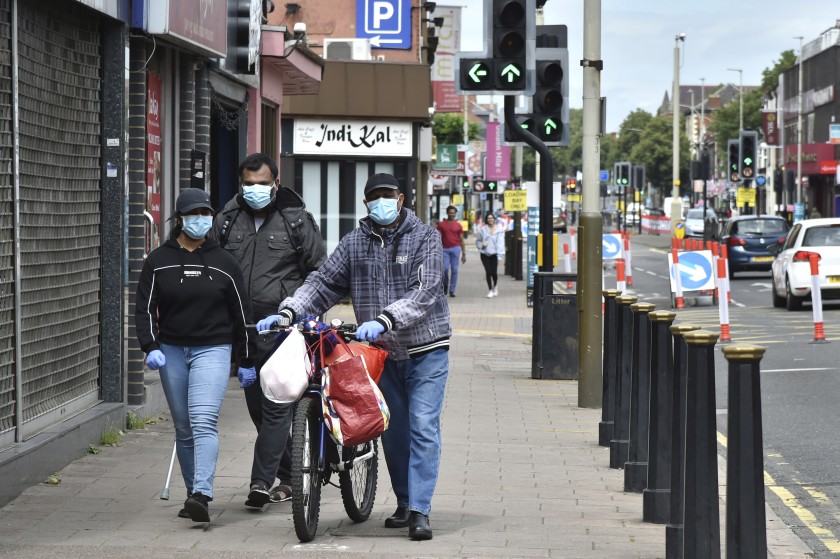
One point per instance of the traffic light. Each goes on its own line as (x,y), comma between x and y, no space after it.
(706,165)
(733,151)
(243,16)
(790,182)
(748,154)
(778,185)
(571,185)
(466,183)
(491,185)
(622,175)
(506,65)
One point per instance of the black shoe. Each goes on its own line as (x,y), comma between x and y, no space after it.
(183,513)
(452,295)
(399,519)
(418,527)
(258,497)
(196,506)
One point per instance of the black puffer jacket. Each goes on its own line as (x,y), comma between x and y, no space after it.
(270,265)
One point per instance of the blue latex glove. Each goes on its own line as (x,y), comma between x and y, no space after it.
(247,376)
(283,319)
(156,359)
(369,331)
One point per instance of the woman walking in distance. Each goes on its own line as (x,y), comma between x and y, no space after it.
(490,241)
(189,312)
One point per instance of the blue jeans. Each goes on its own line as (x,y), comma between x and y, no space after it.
(451,260)
(194,381)
(413,390)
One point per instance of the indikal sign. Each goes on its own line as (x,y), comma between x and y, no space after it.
(368,138)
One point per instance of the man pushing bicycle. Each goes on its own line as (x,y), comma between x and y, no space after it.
(391,266)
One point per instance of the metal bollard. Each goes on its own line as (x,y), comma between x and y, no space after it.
(701,517)
(620,443)
(746,523)
(635,470)
(674,528)
(605,428)
(656,503)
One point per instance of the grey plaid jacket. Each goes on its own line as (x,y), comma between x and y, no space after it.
(393,276)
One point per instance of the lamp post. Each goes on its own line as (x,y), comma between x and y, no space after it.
(702,112)
(799,132)
(676,213)
(740,95)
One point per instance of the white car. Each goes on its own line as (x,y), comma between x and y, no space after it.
(791,268)
(694,222)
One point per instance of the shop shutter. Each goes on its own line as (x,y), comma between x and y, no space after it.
(7,277)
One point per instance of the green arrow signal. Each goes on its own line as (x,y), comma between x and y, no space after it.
(524,125)
(511,72)
(549,125)
(748,161)
(477,72)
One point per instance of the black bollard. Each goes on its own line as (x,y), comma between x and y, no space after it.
(657,496)
(635,470)
(701,517)
(620,443)
(674,528)
(746,523)
(605,428)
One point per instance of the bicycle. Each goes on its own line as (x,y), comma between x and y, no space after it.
(316,456)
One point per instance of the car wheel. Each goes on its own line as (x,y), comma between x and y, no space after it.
(731,271)
(792,302)
(778,300)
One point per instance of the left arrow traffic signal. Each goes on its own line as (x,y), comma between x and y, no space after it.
(475,74)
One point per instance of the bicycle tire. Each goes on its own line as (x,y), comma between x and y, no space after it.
(306,473)
(358,485)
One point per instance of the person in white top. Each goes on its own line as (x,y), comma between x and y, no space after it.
(490,241)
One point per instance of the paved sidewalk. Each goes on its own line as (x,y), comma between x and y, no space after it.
(521,476)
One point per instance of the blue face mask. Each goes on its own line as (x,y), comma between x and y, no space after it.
(384,210)
(197,226)
(257,196)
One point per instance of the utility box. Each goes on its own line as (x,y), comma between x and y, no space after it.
(555,327)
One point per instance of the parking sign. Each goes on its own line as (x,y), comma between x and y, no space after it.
(387,23)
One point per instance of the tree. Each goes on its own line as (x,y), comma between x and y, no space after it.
(725,123)
(770,76)
(655,151)
(630,131)
(448,128)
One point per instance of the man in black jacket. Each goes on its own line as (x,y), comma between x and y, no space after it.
(277,243)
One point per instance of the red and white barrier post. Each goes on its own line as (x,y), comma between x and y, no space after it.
(628,260)
(620,283)
(816,299)
(680,302)
(715,257)
(723,303)
(568,263)
(573,242)
(724,255)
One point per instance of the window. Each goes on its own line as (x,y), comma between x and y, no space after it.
(821,237)
(268,141)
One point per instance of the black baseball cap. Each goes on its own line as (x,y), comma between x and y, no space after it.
(191,199)
(381,180)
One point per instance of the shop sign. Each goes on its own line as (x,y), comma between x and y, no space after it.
(361,138)
(153,149)
(202,23)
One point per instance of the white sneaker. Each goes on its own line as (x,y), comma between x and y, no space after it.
(495,292)
(490,294)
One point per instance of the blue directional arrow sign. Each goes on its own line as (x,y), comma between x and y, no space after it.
(387,23)
(603,175)
(696,271)
(610,247)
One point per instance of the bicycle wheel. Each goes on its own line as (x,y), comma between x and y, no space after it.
(358,484)
(306,474)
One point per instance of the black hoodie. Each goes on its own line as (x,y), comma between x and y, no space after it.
(192,299)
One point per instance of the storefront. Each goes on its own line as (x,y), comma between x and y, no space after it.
(819,172)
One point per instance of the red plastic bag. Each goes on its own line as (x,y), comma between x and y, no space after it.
(374,357)
(354,409)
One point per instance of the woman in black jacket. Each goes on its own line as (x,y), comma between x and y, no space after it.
(190,309)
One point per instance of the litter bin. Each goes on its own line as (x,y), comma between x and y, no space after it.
(555,327)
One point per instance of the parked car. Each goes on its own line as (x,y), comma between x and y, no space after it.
(792,270)
(749,238)
(558,219)
(694,222)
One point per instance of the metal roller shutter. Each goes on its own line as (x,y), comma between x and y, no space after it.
(7,272)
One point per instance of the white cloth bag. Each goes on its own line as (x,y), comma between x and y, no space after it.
(285,375)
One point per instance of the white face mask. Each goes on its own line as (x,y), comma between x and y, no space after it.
(257,196)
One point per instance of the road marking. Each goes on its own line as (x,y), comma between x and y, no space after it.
(809,520)
(799,370)
(463,332)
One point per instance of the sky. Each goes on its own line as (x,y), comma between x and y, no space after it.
(638,37)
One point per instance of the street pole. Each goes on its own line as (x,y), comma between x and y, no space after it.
(676,212)
(799,132)
(466,192)
(740,95)
(589,283)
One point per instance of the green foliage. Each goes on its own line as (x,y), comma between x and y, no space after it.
(449,128)
(52,480)
(630,132)
(93,449)
(654,150)
(770,76)
(111,437)
(726,121)
(134,421)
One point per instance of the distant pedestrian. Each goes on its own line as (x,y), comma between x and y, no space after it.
(452,238)
(189,310)
(490,241)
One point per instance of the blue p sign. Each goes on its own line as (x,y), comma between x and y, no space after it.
(387,23)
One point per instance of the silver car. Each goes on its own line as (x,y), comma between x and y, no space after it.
(694,222)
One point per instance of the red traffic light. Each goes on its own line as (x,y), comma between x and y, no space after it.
(510,13)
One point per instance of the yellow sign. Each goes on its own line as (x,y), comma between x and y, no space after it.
(456,200)
(516,200)
(619,205)
(573,197)
(745,196)
(638,196)
(679,229)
